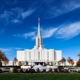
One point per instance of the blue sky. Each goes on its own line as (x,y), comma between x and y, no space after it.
(60,25)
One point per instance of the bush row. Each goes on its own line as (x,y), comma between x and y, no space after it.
(30,71)
(15,70)
(39,71)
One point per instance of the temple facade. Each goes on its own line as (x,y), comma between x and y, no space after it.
(39,54)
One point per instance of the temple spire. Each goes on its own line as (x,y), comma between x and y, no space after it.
(39,38)
(38,27)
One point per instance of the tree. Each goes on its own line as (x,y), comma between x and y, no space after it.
(19,63)
(5,59)
(0,63)
(70,61)
(63,60)
(59,63)
(14,61)
(26,62)
(78,55)
(51,63)
(78,63)
(2,55)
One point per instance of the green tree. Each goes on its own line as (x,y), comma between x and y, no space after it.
(26,62)
(51,63)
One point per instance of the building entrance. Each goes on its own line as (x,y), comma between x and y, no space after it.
(37,63)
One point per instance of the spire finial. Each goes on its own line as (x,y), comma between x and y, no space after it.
(38,26)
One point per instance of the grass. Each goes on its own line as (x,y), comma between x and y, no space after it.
(51,76)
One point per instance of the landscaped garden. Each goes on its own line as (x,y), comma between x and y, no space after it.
(39,72)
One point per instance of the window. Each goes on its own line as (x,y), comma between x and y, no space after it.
(38,55)
(48,56)
(29,55)
(54,55)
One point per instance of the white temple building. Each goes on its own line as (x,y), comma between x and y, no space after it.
(39,54)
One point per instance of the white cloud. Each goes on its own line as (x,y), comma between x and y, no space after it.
(15,15)
(6,15)
(5,49)
(64,32)
(17,12)
(11,16)
(17,35)
(26,35)
(69,31)
(16,21)
(46,33)
(72,4)
(62,8)
(27,13)
(31,34)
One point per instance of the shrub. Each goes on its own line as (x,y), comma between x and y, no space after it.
(18,70)
(27,71)
(74,71)
(66,71)
(38,71)
(60,67)
(15,70)
(31,71)
(56,70)
(0,63)
(78,71)
(50,70)
(0,71)
(61,70)
(44,70)
(19,63)
(21,71)
(24,70)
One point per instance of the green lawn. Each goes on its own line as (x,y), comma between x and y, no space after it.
(52,76)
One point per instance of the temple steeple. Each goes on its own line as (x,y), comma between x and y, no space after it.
(38,37)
